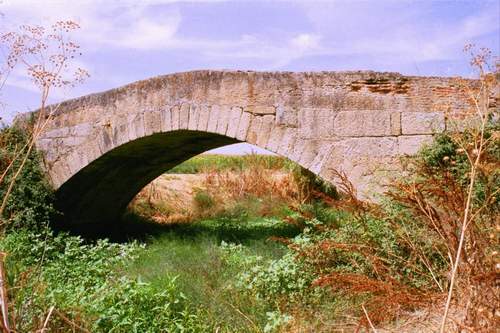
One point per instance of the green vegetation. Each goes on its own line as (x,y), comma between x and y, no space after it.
(30,204)
(271,258)
(213,162)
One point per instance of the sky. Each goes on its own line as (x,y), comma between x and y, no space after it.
(125,41)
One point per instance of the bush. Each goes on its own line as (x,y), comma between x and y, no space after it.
(203,200)
(31,202)
(84,282)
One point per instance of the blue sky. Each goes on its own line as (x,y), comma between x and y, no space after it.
(125,41)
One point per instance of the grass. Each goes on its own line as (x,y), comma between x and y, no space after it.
(215,162)
(195,255)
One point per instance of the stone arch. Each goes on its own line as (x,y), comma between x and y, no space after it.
(99,178)
(357,122)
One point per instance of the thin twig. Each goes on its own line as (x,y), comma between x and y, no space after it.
(44,328)
(3,296)
(368,318)
(70,322)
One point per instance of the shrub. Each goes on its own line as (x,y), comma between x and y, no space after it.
(203,200)
(31,202)
(83,282)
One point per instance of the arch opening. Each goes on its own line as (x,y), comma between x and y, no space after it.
(99,193)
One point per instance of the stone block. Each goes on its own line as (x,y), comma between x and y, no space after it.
(72,141)
(410,145)
(362,123)
(260,109)
(298,149)
(121,134)
(307,152)
(254,129)
(166,119)
(44,145)
(243,126)
(275,135)
(152,122)
(287,142)
(203,115)
(57,133)
(322,154)
(234,121)
(286,116)
(76,161)
(91,151)
(315,123)
(175,115)
(194,116)
(422,122)
(463,122)
(213,118)
(376,147)
(223,121)
(265,129)
(83,129)
(59,173)
(184,116)
(105,139)
(396,123)
(136,126)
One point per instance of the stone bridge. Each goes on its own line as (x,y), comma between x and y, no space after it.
(100,150)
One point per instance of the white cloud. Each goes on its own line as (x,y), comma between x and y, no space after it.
(305,41)
(414,31)
(124,24)
(338,29)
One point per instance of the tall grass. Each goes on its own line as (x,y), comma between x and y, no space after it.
(214,162)
(256,185)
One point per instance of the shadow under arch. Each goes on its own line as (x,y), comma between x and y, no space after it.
(97,196)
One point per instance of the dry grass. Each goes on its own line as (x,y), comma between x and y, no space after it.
(259,187)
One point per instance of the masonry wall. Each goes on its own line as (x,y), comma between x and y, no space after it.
(356,122)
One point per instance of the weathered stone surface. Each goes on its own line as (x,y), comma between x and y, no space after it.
(313,153)
(260,109)
(375,147)
(72,141)
(165,118)
(243,126)
(223,120)
(213,118)
(409,145)
(136,127)
(57,133)
(275,137)
(152,122)
(184,116)
(363,123)
(265,130)
(175,116)
(234,121)
(422,122)
(204,114)
(315,123)
(101,149)
(286,116)
(194,116)
(395,123)
(254,129)
(287,142)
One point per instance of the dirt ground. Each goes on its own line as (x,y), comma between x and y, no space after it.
(179,187)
